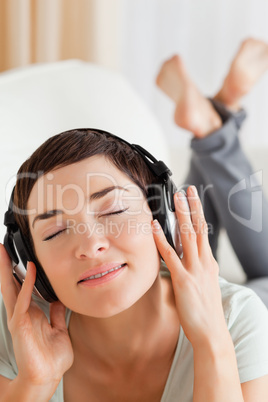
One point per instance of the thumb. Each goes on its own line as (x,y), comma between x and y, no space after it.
(57,315)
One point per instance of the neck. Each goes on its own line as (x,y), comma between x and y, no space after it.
(131,335)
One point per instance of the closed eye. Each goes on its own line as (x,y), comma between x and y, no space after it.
(54,235)
(116,212)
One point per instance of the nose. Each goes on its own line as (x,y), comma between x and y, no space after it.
(91,244)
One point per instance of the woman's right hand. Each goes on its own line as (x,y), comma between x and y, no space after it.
(43,350)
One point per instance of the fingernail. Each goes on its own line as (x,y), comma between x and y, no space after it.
(156,225)
(181,196)
(193,190)
(183,192)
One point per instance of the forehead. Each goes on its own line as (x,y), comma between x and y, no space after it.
(87,176)
(93,168)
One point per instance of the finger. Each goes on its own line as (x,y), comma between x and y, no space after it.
(167,252)
(17,284)
(25,295)
(57,316)
(187,233)
(198,220)
(8,288)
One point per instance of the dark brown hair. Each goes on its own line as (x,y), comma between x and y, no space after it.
(70,147)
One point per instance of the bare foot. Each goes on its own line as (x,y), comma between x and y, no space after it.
(247,67)
(193,111)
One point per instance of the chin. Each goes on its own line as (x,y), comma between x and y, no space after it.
(102,312)
(112,301)
(114,304)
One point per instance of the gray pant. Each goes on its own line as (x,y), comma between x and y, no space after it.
(232,197)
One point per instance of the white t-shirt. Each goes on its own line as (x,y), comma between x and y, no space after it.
(246,318)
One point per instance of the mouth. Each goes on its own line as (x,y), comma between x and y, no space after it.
(101,274)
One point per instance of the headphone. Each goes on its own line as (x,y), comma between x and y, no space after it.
(160,198)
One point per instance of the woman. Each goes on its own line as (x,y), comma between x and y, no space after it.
(136,333)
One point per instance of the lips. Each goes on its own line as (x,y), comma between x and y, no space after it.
(100,271)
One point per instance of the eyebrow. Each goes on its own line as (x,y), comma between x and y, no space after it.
(47,215)
(95,196)
(102,193)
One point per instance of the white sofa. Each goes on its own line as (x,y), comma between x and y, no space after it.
(41,100)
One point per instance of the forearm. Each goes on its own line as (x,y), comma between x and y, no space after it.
(19,391)
(216,377)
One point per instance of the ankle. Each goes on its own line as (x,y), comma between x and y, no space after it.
(201,120)
(228,99)
(213,123)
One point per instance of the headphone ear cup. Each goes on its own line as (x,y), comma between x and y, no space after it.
(161,203)
(158,205)
(9,246)
(24,254)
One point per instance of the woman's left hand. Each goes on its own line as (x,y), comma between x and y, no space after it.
(195,277)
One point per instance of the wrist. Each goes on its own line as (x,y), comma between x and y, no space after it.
(216,354)
(20,390)
(216,344)
(216,360)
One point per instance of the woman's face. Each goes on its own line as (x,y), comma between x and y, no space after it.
(86,219)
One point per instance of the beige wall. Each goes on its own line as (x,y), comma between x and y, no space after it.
(49,30)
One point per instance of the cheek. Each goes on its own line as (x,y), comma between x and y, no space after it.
(135,227)
(136,236)
(52,263)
